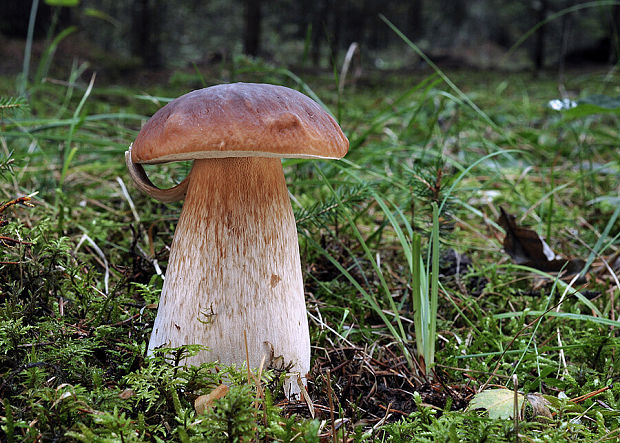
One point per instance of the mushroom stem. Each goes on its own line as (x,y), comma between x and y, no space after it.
(137,173)
(234,267)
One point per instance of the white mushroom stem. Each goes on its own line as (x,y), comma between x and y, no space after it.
(234,267)
(137,173)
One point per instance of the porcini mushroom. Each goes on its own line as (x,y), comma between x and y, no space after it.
(234,269)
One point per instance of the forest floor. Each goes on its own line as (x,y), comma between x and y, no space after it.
(526,343)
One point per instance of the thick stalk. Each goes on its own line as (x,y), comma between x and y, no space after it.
(234,267)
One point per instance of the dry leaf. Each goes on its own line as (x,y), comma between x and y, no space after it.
(528,248)
(540,405)
(499,403)
(204,402)
(126,394)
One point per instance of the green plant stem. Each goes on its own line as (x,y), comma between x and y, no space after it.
(434,272)
(551,199)
(23,83)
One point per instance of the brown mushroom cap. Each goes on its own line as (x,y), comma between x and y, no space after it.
(239,120)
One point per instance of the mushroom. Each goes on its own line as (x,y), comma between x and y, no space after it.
(234,273)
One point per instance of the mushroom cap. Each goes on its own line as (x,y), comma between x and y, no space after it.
(239,120)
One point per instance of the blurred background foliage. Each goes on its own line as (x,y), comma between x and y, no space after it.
(118,38)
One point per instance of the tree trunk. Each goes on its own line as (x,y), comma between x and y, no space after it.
(251,35)
(614,35)
(145,32)
(539,47)
(335,31)
(318,30)
(416,22)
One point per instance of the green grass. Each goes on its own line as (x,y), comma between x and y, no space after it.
(79,270)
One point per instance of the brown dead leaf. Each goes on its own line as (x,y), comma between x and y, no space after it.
(540,406)
(126,394)
(528,248)
(205,402)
